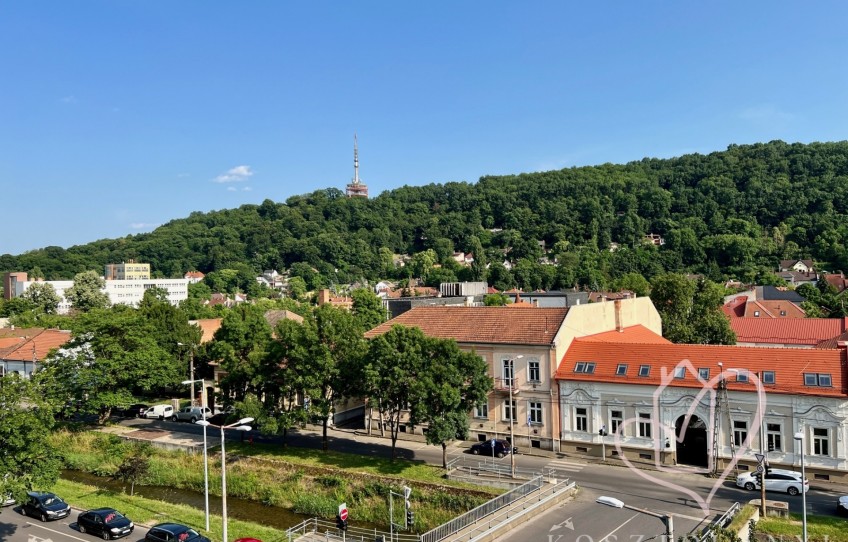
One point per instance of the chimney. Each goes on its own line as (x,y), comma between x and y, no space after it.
(618,326)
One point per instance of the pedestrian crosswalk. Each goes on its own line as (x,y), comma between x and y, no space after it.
(567,466)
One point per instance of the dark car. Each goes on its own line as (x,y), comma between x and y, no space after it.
(842,505)
(106,523)
(134,411)
(493,447)
(173,532)
(45,506)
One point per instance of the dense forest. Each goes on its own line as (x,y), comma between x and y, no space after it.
(727,214)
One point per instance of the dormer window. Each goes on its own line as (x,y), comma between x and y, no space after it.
(644,370)
(768,377)
(742,376)
(757,313)
(586,367)
(679,372)
(621,370)
(704,373)
(818,379)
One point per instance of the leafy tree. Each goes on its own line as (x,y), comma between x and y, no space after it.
(43,296)
(133,469)
(87,292)
(691,312)
(368,308)
(450,383)
(241,344)
(27,459)
(297,288)
(496,300)
(111,354)
(633,282)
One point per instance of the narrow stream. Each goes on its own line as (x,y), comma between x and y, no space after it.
(242,509)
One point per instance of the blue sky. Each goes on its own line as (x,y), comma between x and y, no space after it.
(117,116)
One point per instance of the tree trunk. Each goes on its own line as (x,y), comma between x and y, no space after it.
(285,437)
(132,488)
(324,444)
(444,455)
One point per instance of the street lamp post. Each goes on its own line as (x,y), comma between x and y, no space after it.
(238,426)
(799,436)
(512,415)
(205,457)
(667,520)
(191,368)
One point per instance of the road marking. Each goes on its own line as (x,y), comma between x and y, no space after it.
(619,527)
(693,518)
(57,532)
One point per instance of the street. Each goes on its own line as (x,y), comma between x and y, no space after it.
(15,527)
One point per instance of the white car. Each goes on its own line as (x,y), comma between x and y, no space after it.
(784,481)
(159,412)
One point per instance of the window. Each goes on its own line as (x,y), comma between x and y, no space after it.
(768,377)
(704,373)
(821,441)
(507,373)
(783,313)
(581,419)
(679,372)
(621,370)
(481,410)
(533,372)
(773,437)
(740,432)
(584,367)
(742,376)
(509,410)
(757,313)
(616,419)
(644,370)
(818,379)
(535,414)
(644,425)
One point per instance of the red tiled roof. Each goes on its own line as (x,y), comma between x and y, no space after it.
(773,309)
(493,325)
(736,306)
(208,327)
(805,331)
(837,280)
(38,346)
(788,364)
(633,334)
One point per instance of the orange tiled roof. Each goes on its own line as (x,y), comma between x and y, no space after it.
(773,309)
(633,334)
(804,331)
(736,306)
(38,346)
(788,364)
(208,327)
(492,325)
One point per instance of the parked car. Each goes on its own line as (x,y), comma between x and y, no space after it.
(785,481)
(45,506)
(493,447)
(159,412)
(842,505)
(194,413)
(135,410)
(173,532)
(106,523)
(8,500)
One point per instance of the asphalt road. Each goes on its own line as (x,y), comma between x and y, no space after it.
(579,520)
(15,527)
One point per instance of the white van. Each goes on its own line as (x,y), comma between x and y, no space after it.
(161,412)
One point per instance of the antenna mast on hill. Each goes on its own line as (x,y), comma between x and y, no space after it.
(356,189)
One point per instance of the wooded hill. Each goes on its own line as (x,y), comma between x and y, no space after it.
(734,213)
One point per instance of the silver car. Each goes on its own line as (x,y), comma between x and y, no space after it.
(193,413)
(785,481)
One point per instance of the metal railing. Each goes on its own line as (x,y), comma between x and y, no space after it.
(485,509)
(709,532)
(480,466)
(327,530)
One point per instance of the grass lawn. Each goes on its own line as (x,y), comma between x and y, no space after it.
(819,528)
(149,512)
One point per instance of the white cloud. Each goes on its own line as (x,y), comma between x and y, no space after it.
(237,174)
(231,189)
(142,225)
(183,175)
(69,100)
(246,189)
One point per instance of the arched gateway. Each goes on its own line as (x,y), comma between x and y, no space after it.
(691,443)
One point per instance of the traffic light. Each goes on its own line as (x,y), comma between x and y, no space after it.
(410,518)
(341,524)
